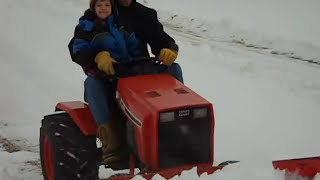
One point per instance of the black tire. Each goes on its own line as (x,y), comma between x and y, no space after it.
(65,152)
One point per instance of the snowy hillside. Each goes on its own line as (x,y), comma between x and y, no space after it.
(279,27)
(256,61)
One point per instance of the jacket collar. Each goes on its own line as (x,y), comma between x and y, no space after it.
(88,15)
(129,7)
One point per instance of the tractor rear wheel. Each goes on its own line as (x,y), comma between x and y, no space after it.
(65,152)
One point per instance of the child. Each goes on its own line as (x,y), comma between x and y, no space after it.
(96,46)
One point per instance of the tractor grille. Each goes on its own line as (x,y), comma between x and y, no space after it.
(184,141)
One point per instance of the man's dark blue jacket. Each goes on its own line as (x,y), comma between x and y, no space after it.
(143,21)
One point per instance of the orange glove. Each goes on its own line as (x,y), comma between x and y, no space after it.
(167,56)
(105,62)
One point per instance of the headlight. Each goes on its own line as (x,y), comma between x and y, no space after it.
(200,113)
(166,117)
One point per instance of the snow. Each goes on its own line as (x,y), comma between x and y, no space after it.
(285,26)
(18,166)
(266,105)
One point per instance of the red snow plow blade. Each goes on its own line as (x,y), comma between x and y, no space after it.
(306,168)
(169,173)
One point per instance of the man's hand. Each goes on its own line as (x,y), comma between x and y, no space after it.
(105,62)
(167,56)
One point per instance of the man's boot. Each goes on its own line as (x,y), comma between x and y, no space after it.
(110,144)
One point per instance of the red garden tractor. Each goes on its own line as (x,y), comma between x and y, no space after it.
(166,127)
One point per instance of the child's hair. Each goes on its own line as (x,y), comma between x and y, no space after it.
(93,3)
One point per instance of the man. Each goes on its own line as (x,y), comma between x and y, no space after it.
(145,24)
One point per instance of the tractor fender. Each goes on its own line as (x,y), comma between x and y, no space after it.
(81,115)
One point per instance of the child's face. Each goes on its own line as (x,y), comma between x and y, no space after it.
(103,8)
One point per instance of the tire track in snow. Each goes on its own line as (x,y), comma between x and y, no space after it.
(15,145)
(196,37)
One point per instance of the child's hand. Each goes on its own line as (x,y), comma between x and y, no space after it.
(167,56)
(105,62)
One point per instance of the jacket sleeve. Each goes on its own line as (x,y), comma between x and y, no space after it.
(157,38)
(80,49)
(132,44)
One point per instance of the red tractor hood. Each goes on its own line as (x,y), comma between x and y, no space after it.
(161,91)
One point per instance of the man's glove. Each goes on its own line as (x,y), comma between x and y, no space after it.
(167,56)
(105,62)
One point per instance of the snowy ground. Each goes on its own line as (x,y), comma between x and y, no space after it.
(246,57)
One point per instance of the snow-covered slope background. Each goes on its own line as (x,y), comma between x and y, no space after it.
(256,61)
